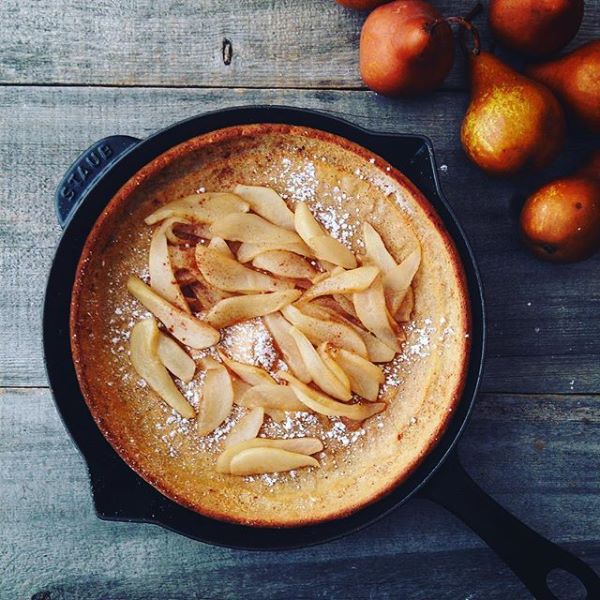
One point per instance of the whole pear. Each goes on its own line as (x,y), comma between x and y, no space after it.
(512,123)
(561,221)
(575,79)
(406,48)
(535,27)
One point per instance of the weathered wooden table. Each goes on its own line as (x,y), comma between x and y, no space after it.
(73,72)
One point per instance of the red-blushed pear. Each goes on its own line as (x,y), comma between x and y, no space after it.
(575,79)
(535,27)
(406,47)
(561,221)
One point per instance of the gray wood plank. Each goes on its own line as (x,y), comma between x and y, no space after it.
(536,455)
(287,43)
(540,315)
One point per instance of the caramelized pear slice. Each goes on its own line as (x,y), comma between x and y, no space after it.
(365,377)
(377,253)
(183,258)
(220,245)
(272,396)
(346,282)
(256,461)
(249,251)
(276,415)
(249,373)
(247,427)
(162,277)
(228,274)
(279,329)
(396,277)
(372,311)
(175,358)
(321,310)
(143,349)
(396,282)
(172,230)
(377,351)
(321,277)
(217,399)
(240,227)
(267,203)
(319,241)
(284,264)
(324,405)
(325,355)
(187,329)
(185,232)
(320,373)
(406,307)
(330,250)
(206,294)
(306,446)
(208,362)
(200,208)
(319,331)
(241,308)
(305,223)
(345,303)
(239,389)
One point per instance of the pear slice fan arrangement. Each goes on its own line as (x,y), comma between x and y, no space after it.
(217,259)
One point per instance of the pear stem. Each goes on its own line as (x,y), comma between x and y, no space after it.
(465,23)
(468,26)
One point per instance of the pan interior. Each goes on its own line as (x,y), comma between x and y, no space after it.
(344,185)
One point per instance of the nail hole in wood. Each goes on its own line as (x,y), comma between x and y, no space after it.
(227,51)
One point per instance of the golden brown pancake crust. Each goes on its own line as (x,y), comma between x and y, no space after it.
(344,184)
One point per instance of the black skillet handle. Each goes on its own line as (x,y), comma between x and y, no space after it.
(85,170)
(531,556)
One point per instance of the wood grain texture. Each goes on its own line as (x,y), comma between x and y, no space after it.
(275,43)
(540,315)
(536,454)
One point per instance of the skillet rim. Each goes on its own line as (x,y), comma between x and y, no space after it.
(452,231)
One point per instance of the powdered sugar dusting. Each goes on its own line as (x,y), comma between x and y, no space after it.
(301,184)
(336,216)
(250,342)
(340,435)
(422,338)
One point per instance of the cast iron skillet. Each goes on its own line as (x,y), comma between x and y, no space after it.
(120,494)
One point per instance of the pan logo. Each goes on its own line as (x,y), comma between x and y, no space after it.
(86,168)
